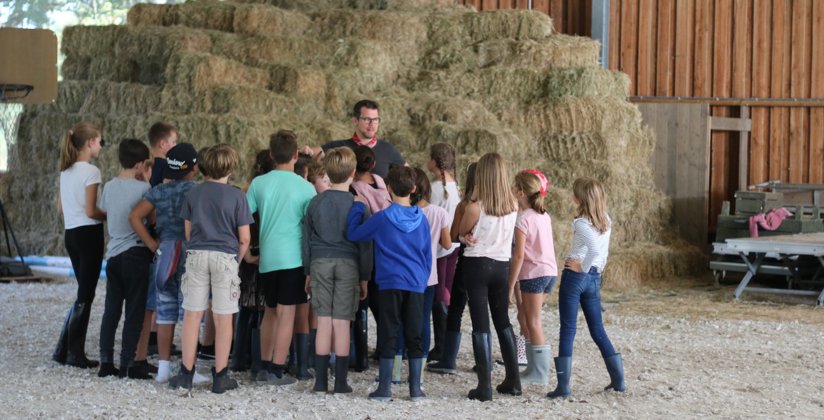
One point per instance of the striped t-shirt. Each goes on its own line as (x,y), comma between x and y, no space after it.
(588,245)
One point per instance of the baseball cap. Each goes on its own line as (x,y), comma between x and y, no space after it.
(180,160)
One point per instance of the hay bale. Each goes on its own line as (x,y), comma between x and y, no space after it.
(507,24)
(406,32)
(90,41)
(311,5)
(203,71)
(204,14)
(105,98)
(148,14)
(586,81)
(556,51)
(264,50)
(636,264)
(255,19)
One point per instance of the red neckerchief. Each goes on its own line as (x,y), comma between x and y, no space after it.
(370,144)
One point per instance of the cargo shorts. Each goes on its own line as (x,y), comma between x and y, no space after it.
(211,271)
(335,287)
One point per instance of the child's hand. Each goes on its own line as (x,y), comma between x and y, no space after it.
(361,200)
(308,286)
(470,240)
(573,265)
(251,259)
(152,246)
(364,289)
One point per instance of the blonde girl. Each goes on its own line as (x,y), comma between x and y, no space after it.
(83,223)
(534,271)
(581,285)
(445,195)
(487,228)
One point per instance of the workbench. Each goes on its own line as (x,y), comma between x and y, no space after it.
(790,251)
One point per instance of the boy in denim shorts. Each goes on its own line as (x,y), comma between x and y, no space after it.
(166,200)
(217,220)
(335,265)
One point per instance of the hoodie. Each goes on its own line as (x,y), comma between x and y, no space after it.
(403,248)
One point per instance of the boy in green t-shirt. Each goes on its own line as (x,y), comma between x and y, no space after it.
(280,199)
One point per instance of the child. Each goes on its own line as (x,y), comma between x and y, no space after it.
(457,295)
(445,195)
(217,220)
(127,270)
(82,219)
(280,198)
(533,269)
(581,285)
(487,227)
(438,219)
(403,258)
(316,174)
(162,137)
(166,200)
(336,265)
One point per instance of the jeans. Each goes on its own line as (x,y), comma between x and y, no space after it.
(400,307)
(486,286)
(127,279)
(582,289)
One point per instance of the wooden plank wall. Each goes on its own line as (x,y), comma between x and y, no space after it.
(721,48)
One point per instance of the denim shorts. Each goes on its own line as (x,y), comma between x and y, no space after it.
(538,285)
(151,294)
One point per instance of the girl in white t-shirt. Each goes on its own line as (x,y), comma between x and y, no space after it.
(445,194)
(79,182)
(534,271)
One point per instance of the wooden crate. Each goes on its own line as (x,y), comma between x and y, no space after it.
(754,202)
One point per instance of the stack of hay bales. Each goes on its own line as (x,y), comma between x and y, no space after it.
(237,71)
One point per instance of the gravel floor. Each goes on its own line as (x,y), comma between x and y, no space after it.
(687,352)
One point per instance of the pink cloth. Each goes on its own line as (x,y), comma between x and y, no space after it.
(539,249)
(376,197)
(770,220)
(438,219)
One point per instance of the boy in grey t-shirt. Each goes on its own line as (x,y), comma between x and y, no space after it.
(129,259)
(335,265)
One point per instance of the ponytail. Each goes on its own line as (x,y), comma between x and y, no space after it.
(534,185)
(73,141)
(443,154)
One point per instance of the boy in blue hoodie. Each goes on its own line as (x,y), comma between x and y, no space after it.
(403,258)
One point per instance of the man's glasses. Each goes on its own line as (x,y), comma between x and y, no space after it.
(367,120)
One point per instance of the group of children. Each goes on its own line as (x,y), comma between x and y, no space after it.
(327,237)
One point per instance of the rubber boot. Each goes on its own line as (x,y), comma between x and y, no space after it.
(529,361)
(615,367)
(361,336)
(481,350)
(415,369)
(341,373)
(302,355)
(509,351)
(384,391)
(256,364)
(439,312)
(310,363)
(539,358)
(78,325)
(321,373)
(240,350)
(62,348)
(292,359)
(448,362)
(183,379)
(221,381)
(563,370)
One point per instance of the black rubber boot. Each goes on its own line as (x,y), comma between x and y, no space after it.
(415,370)
(321,373)
(341,373)
(78,325)
(107,369)
(361,336)
(183,379)
(615,367)
(448,364)
(221,381)
(509,351)
(384,391)
(481,350)
(302,355)
(439,312)
(563,370)
(256,364)
(240,350)
(62,349)
(312,335)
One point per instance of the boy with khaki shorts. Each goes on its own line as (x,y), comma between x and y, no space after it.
(338,269)
(217,220)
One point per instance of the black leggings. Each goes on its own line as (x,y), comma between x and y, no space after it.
(400,307)
(85,247)
(457,303)
(486,285)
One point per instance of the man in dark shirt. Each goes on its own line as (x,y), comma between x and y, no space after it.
(366,120)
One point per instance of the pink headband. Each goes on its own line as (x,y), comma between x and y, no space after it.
(542,178)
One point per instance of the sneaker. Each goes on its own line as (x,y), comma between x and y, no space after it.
(222,382)
(522,361)
(182,379)
(107,369)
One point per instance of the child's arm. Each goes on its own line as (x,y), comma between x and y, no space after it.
(454,231)
(472,213)
(187,227)
(141,211)
(92,210)
(516,264)
(356,230)
(446,239)
(244,238)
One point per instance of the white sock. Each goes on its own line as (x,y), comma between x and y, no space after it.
(198,379)
(163,371)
